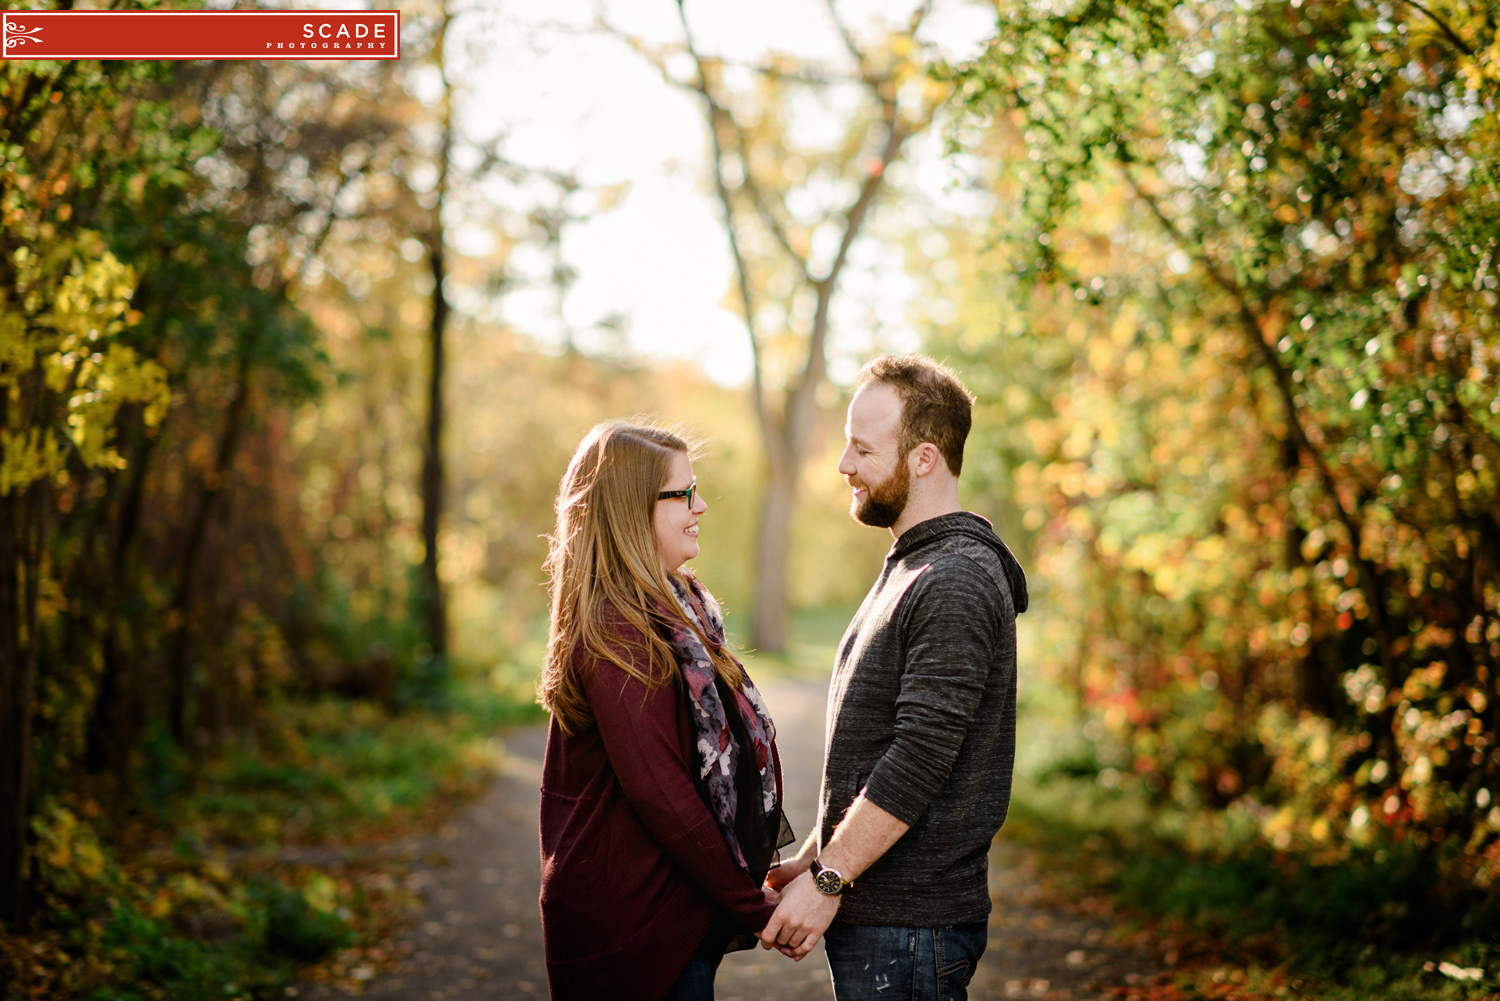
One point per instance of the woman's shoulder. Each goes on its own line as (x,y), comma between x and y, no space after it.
(618,624)
(625,636)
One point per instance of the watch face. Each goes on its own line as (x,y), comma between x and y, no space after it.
(829,881)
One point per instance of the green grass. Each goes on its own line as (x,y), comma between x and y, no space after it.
(197,903)
(336,770)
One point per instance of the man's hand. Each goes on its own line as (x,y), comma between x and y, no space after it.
(800,919)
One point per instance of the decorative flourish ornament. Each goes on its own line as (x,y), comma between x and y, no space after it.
(20,34)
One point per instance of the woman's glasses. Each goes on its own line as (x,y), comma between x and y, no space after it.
(688,493)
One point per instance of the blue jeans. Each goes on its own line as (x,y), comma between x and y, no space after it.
(696,982)
(876,963)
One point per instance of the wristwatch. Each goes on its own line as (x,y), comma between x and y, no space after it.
(829,881)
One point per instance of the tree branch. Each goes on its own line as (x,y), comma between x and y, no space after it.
(741,268)
(801,74)
(870,77)
(767,216)
(896,134)
(1447,30)
(800,399)
(848,39)
(917,17)
(299,272)
(718,115)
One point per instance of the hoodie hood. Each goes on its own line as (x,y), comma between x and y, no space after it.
(969,526)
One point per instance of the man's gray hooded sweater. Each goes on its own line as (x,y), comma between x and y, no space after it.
(922,718)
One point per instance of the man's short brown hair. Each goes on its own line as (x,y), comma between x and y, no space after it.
(935,406)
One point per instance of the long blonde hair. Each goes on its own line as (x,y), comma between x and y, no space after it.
(604,557)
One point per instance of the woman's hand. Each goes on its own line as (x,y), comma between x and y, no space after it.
(778,878)
(776,881)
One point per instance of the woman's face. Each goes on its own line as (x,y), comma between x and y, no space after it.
(676,521)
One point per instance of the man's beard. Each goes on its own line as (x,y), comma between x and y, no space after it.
(882,504)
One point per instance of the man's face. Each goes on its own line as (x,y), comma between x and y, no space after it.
(871,464)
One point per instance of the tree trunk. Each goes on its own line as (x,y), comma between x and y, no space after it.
(107,740)
(1310,686)
(20,541)
(434,603)
(787,447)
(17,668)
(213,487)
(432,462)
(769,614)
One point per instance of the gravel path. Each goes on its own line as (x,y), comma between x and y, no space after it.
(479,933)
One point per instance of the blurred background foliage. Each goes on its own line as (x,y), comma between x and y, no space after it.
(1241,327)
(1229,310)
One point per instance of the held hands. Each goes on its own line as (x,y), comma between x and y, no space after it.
(774,897)
(776,881)
(803,913)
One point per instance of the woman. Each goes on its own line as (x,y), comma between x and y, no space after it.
(661,789)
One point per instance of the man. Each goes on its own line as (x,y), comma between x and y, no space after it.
(921,712)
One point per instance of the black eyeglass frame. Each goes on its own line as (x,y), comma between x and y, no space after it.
(688,493)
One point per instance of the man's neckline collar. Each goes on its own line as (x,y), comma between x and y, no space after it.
(934,526)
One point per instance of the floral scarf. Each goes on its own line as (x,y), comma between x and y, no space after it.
(718,751)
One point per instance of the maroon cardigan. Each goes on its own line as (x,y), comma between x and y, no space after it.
(634,867)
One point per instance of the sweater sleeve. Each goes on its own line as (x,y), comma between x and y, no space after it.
(951,626)
(639,728)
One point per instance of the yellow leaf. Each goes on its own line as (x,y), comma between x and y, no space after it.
(321,893)
(89,859)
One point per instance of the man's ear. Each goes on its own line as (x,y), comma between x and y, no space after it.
(925,458)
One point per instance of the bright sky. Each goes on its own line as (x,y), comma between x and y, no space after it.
(576,100)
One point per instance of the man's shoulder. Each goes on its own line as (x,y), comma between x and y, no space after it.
(967,571)
(962,558)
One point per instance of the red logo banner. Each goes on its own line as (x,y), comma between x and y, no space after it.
(201,34)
